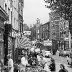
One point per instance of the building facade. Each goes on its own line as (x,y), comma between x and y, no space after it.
(54,25)
(59,30)
(20,15)
(37,29)
(3,18)
(45,31)
(25,27)
(64,34)
(11,7)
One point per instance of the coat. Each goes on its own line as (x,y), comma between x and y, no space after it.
(63,70)
(52,67)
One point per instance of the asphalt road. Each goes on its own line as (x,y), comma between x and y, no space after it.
(61,60)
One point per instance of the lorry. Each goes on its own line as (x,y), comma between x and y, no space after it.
(50,45)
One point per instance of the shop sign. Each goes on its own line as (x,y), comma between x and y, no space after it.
(47,43)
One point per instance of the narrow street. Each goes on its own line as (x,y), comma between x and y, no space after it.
(61,60)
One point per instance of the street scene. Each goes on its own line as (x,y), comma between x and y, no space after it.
(35,35)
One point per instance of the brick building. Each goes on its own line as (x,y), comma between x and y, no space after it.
(44,31)
(59,30)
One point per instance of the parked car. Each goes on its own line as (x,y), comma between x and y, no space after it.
(48,54)
(64,53)
(69,59)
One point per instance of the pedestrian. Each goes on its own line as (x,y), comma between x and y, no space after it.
(62,68)
(10,64)
(23,63)
(52,66)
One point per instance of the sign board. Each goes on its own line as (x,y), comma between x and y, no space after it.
(27,32)
(47,43)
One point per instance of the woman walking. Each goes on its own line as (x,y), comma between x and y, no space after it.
(62,68)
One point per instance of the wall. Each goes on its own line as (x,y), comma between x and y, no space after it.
(15,14)
(15,19)
(2,3)
(7,8)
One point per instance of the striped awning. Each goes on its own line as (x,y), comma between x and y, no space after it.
(24,42)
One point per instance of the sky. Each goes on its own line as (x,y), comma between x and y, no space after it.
(34,9)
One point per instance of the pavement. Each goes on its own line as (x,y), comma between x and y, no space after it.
(66,66)
(61,60)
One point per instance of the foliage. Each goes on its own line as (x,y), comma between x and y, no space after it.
(25,27)
(63,7)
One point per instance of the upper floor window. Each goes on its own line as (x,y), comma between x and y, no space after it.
(8,11)
(5,7)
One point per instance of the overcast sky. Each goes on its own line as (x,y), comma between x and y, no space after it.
(34,9)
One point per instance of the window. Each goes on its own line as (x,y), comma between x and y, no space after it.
(5,7)
(8,11)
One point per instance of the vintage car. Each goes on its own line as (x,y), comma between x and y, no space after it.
(48,53)
(69,59)
(64,53)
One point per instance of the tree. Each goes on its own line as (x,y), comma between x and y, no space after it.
(63,7)
(25,27)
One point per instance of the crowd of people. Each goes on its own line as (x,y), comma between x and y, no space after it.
(34,59)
